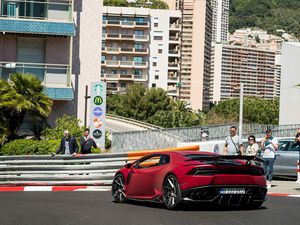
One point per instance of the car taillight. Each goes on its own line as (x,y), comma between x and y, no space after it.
(202,171)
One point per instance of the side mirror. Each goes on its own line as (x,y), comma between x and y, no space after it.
(128,165)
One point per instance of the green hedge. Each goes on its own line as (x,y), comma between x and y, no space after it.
(29,147)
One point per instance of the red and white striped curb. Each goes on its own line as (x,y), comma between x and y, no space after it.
(89,188)
(283,195)
(53,188)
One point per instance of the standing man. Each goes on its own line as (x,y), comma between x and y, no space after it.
(269,145)
(233,144)
(86,142)
(68,145)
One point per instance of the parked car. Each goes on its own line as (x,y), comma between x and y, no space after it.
(173,177)
(286,158)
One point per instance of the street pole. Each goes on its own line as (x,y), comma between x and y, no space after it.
(241,111)
(86,97)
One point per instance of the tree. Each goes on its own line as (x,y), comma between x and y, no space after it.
(22,94)
(256,110)
(121,3)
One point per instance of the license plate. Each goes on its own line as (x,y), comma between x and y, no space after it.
(232,191)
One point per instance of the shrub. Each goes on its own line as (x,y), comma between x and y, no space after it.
(30,147)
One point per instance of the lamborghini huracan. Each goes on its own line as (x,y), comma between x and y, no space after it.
(173,177)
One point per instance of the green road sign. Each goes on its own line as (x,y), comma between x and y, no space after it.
(98,100)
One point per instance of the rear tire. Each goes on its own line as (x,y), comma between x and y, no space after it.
(171,192)
(118,189)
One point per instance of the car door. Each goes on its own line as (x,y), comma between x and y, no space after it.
(282,145)
(141,177)
(289,160)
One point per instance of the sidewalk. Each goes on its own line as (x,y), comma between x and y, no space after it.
(284,188)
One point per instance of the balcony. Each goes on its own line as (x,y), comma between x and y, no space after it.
(125,37)
(173,66)
(124,64)
(125,24)
(53,18)
(174,53)
(55,77)
(175,27)
(116,50)
(123,77)
(172,80)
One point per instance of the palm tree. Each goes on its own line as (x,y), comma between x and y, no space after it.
(22,94)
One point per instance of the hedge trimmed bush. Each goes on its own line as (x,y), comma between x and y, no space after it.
(30,147)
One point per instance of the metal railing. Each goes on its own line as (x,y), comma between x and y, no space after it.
(37,10)
(60,170)
(52,75)
(125,23)
(124,63)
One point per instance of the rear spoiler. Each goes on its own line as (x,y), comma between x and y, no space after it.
(215,158)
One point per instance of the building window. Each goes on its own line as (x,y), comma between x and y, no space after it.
(123,72)
(139,32)
(155,24)
(153,85)
(160,51)
(137,72)
(114,71)
(158,38)
(123,84)
(154,63)
(137,59)
(156,77)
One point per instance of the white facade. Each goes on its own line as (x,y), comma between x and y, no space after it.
(220,22)
(290,77)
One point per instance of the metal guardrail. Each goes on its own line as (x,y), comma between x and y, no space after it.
(60,170)
(45,170)
(138,123)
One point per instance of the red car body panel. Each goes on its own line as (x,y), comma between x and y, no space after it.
(147,183)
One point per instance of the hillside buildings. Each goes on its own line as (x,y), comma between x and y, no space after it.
(140,45)
(40,38)
(290,78)
(233,65)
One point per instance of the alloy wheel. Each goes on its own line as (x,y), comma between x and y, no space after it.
(171,192)
(118,189)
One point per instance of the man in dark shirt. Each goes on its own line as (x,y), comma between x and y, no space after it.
(68,145)
(87,142)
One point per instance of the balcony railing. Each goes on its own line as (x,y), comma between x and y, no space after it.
(123,76)
(52,75)
(125,50)
(37,10)
(133,37)
(124,23)
(126,64)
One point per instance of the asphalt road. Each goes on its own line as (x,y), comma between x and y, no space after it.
(89,208)
(118,126)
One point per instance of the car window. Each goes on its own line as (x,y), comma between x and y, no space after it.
(149,162)
(283,145)
(294,147)
(164,159)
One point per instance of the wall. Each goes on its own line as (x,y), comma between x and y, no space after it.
(8,48)
(290,76)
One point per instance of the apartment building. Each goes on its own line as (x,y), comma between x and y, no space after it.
(39,37)
(140,45)
(194,74)
(233,65)
(289,93)
(220,21)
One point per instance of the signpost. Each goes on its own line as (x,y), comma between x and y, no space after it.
(97,113)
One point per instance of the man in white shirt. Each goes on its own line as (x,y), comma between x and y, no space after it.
(269,145)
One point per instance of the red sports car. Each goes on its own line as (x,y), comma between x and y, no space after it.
(171,177)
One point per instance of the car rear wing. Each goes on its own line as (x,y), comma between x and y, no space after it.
(216,158)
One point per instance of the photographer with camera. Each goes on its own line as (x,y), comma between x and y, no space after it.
(269,145)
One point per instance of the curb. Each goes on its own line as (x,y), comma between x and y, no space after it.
(53,188)
(88,188)
(282,195)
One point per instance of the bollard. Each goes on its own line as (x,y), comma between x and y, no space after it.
(298,172)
